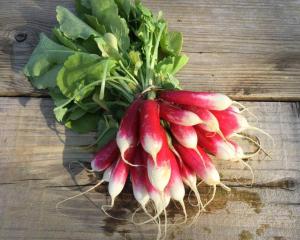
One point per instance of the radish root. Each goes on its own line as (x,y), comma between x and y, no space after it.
(80,194)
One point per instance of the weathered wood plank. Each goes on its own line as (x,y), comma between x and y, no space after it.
(247,49)
(35,153)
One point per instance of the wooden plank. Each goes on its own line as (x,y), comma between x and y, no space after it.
(247,49)
(35,153)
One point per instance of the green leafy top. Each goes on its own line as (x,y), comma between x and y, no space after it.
(99,59)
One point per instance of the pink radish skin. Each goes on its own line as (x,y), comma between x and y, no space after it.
(211,101)
(215,144)
(150,129)
(177,115)
(118,179)
(137,176)
(159,174)
(210,122)
(188,176)
(105,156)
(119,175)
(207,172)
(127,135)
(185,135)
(230,122)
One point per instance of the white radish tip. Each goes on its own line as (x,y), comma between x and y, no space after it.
(223,102)
(94,167)
(123,144)
(191,119)
(159,176)
(212,177)
(225,151)
(141,195)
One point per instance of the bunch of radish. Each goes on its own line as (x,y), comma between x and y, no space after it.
(110,68)
(167,142)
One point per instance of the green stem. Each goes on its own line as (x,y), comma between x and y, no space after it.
(129,74)
(148,58)
(155,51)
(101,97)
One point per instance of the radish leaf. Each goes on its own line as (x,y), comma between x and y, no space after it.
(79,70)
(72,26)
(171,42)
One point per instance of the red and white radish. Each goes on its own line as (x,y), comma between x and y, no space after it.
(119,175)
(127,136)
(161,199)
(137,177)
(185,135)
(232,122)
(159,174)
(150,128)
(190,179)
(175,185)
(211,101)
(206,171)
(177,115)
(105,156)
(210,122)
(215,144)
(117,179)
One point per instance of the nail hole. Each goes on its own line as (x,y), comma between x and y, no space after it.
(21,37)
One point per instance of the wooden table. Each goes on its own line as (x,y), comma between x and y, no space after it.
(247,49)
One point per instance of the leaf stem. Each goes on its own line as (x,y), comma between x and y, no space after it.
(155,51)
(102,89)
(129,74)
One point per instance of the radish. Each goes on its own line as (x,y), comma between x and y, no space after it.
(137,177)
(107,172)
(117,179)
(161,199)
(232,122)
(185,135)
(119,175)
(159,174)
(210,122)
(177,115)
(211,101)
(190,179)
(105,156)
(175,185)
(215,144)
(207,172)
(127,136)
(150,129)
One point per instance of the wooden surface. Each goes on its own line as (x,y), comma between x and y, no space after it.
(247,49)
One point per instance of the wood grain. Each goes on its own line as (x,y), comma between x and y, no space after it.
(247,49)
(35,153)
